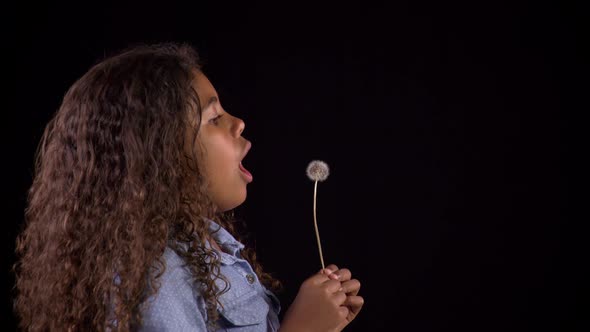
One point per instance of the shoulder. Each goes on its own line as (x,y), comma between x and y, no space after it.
(176,305)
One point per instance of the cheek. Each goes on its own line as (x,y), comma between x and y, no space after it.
(219,155)
(219,149)
(218,163)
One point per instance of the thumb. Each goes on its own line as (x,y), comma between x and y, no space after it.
(329,273)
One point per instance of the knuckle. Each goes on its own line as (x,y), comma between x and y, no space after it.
(306,284)
(332,283)
(343,312)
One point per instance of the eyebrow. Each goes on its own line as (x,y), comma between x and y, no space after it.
(210,102)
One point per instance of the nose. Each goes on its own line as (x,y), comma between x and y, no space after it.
(239,126)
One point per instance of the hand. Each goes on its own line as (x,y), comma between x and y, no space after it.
(351,288)
(318,306)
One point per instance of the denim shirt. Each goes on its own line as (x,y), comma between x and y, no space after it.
(247,305)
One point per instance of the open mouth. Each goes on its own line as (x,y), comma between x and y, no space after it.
(246,173)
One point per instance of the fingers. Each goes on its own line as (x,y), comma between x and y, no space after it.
(329,271)
(333,272)
(351,287)
(343,274)
(343,311)
(331,280)
(330,274)
(332,286)
(332,268)
(354,302)
(339,297)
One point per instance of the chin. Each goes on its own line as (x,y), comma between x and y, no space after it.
(233,204)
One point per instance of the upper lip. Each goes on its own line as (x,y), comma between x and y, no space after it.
(246,149)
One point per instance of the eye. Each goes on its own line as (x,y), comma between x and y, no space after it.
(215,120)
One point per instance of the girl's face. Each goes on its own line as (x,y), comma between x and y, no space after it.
(221,146)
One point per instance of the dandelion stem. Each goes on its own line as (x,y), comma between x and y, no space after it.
(315,222)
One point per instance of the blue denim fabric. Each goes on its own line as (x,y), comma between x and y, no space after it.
(247,306)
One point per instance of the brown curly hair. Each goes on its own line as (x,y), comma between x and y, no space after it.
(112,189)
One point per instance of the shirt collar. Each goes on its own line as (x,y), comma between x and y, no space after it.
(226,241)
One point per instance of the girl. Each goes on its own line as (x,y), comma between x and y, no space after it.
(128,223)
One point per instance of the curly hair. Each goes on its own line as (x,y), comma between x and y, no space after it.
(112,188)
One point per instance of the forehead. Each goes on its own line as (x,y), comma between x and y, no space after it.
(203,86)
(205,91)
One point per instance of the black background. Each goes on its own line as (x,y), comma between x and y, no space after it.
(444,125)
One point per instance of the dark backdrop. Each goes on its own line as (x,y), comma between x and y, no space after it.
(444,124)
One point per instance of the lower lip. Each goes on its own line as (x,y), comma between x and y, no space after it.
(246,173)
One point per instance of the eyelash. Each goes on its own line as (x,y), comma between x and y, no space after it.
(215,120)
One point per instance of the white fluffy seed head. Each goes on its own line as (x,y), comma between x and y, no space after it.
(317,170)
